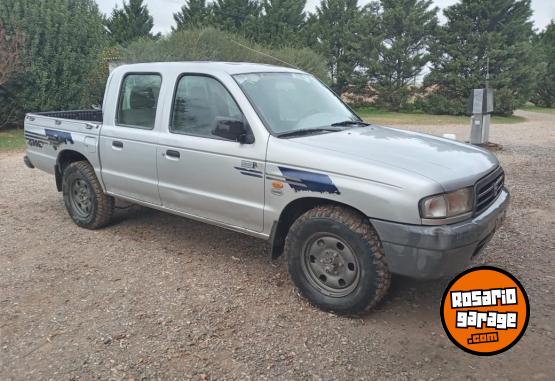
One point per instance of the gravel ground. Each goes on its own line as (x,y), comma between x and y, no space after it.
(156,296)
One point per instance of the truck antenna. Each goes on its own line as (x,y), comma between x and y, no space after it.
(487,72)
(264,54)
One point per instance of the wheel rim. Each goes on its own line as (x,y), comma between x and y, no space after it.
(330,265)
(80,197)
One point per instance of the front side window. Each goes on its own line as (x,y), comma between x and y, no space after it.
(200,104)
(293,101)
(138,100)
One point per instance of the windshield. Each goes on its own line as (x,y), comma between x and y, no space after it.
(291,101)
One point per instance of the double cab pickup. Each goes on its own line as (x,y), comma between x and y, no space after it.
(273,153)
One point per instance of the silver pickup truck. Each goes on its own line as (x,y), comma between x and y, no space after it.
(272,152)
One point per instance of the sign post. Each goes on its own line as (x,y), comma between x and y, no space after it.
(480,106)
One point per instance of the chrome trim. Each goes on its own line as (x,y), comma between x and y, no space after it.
(496,179)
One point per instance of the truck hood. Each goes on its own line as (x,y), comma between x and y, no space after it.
(451,164)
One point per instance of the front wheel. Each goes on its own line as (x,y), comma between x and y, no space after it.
(85,201)
(336,260)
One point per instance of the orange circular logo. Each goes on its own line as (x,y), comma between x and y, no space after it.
(485,310)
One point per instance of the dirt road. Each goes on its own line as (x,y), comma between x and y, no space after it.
(156,296)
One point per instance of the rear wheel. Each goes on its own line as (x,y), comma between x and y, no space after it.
(336,260)
(85,201)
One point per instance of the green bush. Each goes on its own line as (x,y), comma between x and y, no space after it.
(209,44)
(440,104)
(63,40)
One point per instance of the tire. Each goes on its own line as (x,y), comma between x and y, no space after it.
(336,260)
(85,201)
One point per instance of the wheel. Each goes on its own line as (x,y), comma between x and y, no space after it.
(336,260)
(85,201)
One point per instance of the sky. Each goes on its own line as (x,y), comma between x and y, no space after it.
(163,10)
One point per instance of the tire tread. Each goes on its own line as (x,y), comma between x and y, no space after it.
(105,203)
(359,225)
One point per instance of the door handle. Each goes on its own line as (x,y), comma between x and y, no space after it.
(117,144)
(172,153)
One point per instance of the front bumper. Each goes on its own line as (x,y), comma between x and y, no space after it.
(431,252)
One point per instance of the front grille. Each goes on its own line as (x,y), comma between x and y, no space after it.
(487,189)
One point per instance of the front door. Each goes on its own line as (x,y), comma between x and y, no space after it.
(203,174)
(128,146)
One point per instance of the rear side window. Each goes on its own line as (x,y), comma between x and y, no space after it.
(138,100)
(201,102)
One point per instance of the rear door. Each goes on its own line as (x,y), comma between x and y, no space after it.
(128,142)
(205,175)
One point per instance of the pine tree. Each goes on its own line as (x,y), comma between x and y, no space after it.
(237,16)
(194,13)
(405,30)
(478,32)
(544,94)
(282,23)
(334,30)
(62,44)
(131,22)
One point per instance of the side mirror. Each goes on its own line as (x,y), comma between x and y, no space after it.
(232,129)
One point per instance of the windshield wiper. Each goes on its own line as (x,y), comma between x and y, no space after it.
(351,123)
(307,131)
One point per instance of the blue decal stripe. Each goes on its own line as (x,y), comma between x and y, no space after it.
(248,170)
(35,134)
(309,181)
(61,136)
(251,174)
(42,138)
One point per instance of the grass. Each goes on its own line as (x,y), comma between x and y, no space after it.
(11,140)
(533,108)
(379,116)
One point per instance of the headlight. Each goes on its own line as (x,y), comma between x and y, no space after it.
(447,204)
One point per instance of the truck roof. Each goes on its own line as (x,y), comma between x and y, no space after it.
(230,68)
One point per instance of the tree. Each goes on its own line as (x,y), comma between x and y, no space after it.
(405,30)
(63,41)
(479,32)
(237,16)
(11,46)
(282,22)
(544,94)
(194,13)
(334,30)
(210,44)
(131,22)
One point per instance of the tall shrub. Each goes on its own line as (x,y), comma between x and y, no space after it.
(210,44)
(63,40)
